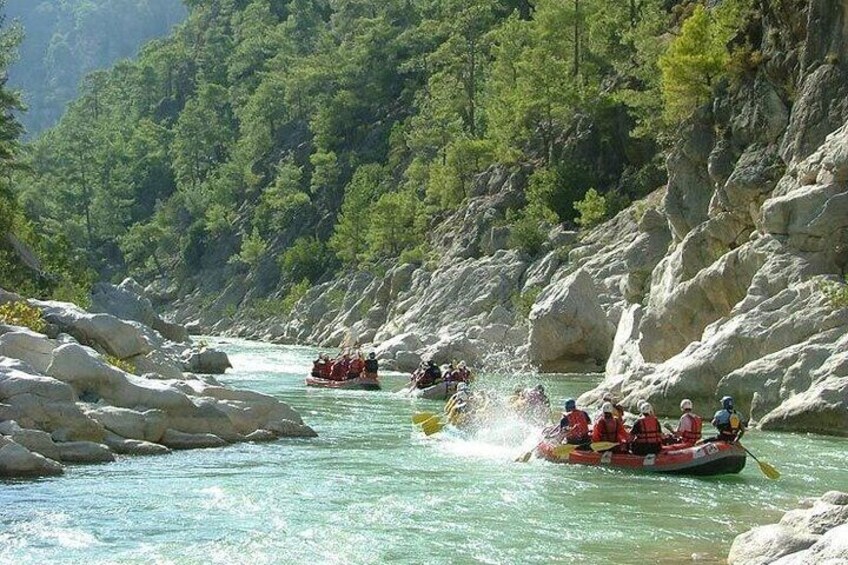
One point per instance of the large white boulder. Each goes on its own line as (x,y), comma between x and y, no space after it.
(17,461)
(568,325)
(28,346)
(128,303)
(207,361)
(84,452)
(102,331)
(815,534)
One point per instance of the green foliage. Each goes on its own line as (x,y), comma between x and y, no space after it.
(335,298)
(836,293)
(348,126)
(23,315)
(306,259)
(522,302)
(592,209)
(698,58)
(125,365)
(396,225)
(67,39)
(253,248)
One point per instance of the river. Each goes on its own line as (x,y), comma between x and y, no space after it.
(371,489)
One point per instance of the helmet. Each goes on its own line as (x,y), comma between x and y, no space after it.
(462,364)
(540,388)
(570,404)
(685,404)
(727,403)
(461,387)
(372,355)
(607,408)
(430,363)
(646,408)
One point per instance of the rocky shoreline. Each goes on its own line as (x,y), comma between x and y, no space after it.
(816,533)
(67,396)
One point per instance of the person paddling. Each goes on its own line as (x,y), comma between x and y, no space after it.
(372,366)
(355,367)
(728,422)
(611,429)
(646,434)
(575,424)
(689,427)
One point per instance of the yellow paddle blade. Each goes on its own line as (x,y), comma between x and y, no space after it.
(603,445)
(432,426)
(564,450)
(769,471)
(421,417)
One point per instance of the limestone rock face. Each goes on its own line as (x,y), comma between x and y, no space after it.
(808,536)
(567,325)
(128,302)
(750,318)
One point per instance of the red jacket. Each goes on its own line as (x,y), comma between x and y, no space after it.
(646,431)
(609,429)
(577,423)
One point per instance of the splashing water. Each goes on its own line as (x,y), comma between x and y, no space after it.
(372,489)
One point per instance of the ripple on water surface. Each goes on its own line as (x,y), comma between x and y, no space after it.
(371,489)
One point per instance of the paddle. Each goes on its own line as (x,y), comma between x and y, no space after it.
(767,469)
(525,457)
(432,426)
(603,446)
(421,417)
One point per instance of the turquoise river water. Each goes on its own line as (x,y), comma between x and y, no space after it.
(371,489)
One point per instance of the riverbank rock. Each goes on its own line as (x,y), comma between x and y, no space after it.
(128,302)
(807,536)
(207,361)
(18,461)
(64,401)
(115,337)
(568,326)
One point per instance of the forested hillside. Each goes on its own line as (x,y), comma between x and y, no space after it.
(295,139)
(66,39)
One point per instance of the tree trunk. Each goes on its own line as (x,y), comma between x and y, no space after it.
(576,37)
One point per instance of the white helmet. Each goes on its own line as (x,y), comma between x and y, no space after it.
(685,404)
(646,408)
(607,408)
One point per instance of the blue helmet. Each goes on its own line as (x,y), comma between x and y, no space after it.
(570,404)
(727,403)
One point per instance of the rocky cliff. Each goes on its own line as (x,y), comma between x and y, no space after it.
(713,285)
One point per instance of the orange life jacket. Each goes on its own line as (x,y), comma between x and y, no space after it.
(578,424)
(647,431)
(696,424)
(608,430)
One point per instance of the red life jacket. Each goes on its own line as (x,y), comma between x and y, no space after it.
(694,435)
(609,429)
(339,371)
(578,424)
(647,430)
(357,366)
